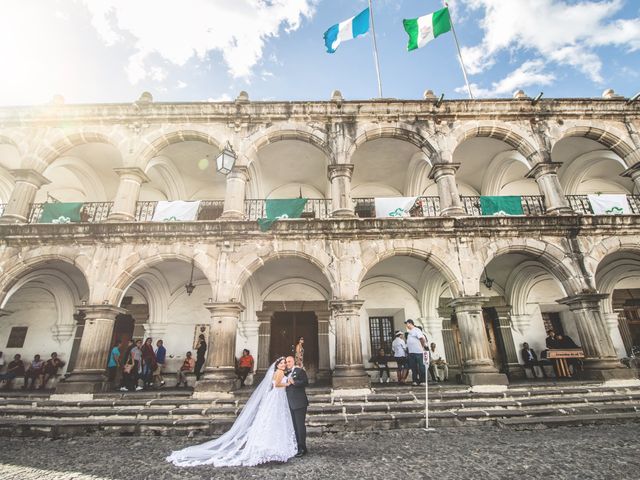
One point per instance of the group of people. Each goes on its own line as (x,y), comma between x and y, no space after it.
(408,352)
(554,341)
(37,370)
(135,361)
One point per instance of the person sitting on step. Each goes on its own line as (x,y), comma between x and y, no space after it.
(188,366)
(381,362)
(530,360)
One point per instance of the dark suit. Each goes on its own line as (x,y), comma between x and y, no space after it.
(298,403)
(530,360)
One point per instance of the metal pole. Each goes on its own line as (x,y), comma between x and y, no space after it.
(464,70)
(426,359)
(375,49)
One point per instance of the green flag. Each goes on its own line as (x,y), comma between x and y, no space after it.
(422,30)
(281,208)
(496,206)
(60,212)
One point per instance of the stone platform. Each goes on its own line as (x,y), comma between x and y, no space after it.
(385,407)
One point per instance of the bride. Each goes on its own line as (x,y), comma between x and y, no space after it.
(262,433)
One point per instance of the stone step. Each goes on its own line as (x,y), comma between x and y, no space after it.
(582,419)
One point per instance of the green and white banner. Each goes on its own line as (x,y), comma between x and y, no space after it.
(61,212)
(394,207)
(424,29)
(609,204)
(501,206)
(176,211)
(281,209)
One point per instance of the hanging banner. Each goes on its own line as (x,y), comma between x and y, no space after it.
(281,209)
(60,212)
(609,204)
(501,205)
(394,207)
(177,211)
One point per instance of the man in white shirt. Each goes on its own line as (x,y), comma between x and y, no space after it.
(416,345)
(437,362)
(399,347)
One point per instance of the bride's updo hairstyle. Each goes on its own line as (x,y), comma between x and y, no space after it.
(280,359)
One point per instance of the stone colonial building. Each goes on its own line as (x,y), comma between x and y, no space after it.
(345,280)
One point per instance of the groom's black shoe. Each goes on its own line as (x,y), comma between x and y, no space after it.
(301,453)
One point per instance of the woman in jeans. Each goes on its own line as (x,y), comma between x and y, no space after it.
(149,362)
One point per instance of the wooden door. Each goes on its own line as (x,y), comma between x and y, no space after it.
(286,327)
(490,327)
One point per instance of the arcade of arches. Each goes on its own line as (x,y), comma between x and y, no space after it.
(479,287)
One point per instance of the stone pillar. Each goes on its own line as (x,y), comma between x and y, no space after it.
(126,200)
(612,320)
(27,184)
(91,361)
(514,370)
(634,174)
(601,361)
(340,178)
(477,366)
(448,340)
(234,196)
(264,342)
(444,174)
(546,176)
(324,364)
(349,371)
(219,369)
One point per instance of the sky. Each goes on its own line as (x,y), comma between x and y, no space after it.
(110,51)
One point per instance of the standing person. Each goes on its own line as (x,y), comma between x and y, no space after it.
(245,366)
(126,363)
(188,365)
(299,353)
(298,403)
(34,372)
(200,355)
(149,362)
(1,361)
(399,347)
(51,368)
(14,369)
(416,345)
(263,432)
(136,371)
(437,362)
(382,364)
(161,355)
(113,364)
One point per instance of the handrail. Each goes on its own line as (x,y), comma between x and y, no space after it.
(255,208)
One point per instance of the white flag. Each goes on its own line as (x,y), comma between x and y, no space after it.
(177,211)
(609,204)
(394,207)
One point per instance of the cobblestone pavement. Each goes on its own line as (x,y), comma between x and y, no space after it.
(588,452)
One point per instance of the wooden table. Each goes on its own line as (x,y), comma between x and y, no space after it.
(560,358)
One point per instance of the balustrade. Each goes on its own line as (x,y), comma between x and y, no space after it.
(255,208)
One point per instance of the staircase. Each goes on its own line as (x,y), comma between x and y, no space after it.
(178,412)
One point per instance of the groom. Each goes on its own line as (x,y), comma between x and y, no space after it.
(298,403)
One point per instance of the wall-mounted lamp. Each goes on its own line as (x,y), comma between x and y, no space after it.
(190,287)
(226,160)
(487,281)
(535,101)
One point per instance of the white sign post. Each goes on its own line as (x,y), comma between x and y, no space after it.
(426,360)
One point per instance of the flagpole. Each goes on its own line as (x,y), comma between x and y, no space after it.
(455,37)
(375,50)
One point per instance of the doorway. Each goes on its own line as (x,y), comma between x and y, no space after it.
(286,327)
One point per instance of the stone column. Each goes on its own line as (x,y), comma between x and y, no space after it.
(477,366)
(449,342)
(349,371)
(264,342)
(514,370)
(27,184)
(634,174)
(235,193)
(444,174)
(324,364)
(219,369)
(601,361)
(340,177)
(91,361)
(612,320)
(546,176)
(126,199)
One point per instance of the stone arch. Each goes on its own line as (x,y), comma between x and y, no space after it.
(297,280)
(555,261)
(598,253)
(154,143)
(579,168)
(455,285)
(278,133)
(493,180)
(86,175)
(509,134)
(399,132)
(130,275)
(250,265)
(613,273)
(609,137)
(173,181)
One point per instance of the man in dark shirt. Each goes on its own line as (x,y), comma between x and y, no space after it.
(530,360)
(161,355)
(551,340)
(14,369)
(34,372)
(51,368)
(200,352)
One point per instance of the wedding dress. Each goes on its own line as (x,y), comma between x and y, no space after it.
(262,433)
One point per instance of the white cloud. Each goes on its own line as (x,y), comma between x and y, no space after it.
(564,32)
(179,31)
(529,73)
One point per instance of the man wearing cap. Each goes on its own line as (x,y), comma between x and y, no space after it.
(399,347)
(416,345)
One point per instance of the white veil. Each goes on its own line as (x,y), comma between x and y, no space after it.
(227,448)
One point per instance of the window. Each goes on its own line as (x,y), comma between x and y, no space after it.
(381,333)
(16,337)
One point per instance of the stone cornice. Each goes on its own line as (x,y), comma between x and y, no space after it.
(18,235)
(260,112)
